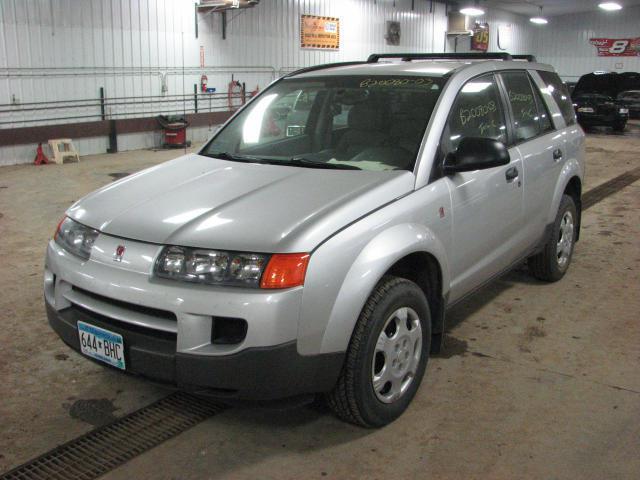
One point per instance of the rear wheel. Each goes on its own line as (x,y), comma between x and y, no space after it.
(553,261)
(387,355)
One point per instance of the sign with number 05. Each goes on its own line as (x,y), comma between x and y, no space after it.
(480,39)
(616,47)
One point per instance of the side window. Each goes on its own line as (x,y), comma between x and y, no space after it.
(341,115)
(476,112)
(523,105)
(560,94)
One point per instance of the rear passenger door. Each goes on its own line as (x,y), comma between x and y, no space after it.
(538,145)
(487,206)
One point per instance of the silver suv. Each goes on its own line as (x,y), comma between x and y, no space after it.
(314,244)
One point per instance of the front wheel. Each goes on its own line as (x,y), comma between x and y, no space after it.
(387,355)
(619,126)
(553,261)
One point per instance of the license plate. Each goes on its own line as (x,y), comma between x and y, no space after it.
(101,344)
(585,110)
(624,110)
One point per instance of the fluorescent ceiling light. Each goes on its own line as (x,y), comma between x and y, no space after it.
(472,11)
(610,6)
(539,20)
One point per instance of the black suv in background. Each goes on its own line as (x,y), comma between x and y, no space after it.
(607,83)
(595,109)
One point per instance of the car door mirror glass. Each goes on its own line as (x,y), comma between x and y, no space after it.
(475,153)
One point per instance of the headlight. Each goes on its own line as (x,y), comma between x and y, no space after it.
(215,267)
(75,238)
(211,266)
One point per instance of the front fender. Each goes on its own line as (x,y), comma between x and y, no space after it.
(331,307)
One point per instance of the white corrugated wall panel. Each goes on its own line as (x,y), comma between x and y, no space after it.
(564,42)
(130,35)
(124,46)
(523,33)
(269,34)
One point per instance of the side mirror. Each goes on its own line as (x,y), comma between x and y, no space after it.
(476,153)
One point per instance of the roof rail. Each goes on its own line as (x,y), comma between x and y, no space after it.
(407,57)
(528,58)
(322,67)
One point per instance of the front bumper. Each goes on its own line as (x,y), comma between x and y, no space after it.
(168,327)
(260,373)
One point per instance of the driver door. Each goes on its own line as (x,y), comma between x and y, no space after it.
(487,204)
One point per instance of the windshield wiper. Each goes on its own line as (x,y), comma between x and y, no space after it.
(307,162)
(294,161)
(234,157)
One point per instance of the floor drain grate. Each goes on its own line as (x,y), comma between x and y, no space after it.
(108,447)
(599,193)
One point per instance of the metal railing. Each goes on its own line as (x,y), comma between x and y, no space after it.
(54,112)
(102,108)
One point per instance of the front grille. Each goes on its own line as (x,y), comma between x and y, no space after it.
(152,312)
(124,327)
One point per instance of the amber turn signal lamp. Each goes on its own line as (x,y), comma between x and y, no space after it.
(55,235)
(285,270)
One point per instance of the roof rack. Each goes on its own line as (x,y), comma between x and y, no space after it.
(528,58)
(407,57)
(322,67)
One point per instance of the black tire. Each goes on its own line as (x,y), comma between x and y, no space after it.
(546,265)
(619,126)
(353,399)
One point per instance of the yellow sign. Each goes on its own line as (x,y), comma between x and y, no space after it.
(319,32)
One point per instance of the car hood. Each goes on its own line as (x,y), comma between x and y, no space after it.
(204,202)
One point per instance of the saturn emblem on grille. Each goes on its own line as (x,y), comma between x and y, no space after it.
(117,257)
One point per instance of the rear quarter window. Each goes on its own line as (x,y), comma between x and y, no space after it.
(560,94)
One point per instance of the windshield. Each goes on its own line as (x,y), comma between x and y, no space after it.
(630,95)
(354,122)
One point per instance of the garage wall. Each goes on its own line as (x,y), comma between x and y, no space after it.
(61,49)
(564,42)
(67,49)
(56,50)
(271,31)
(523,33)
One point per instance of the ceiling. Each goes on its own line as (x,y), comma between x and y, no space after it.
(554,7)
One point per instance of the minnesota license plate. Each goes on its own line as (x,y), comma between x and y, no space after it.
(101,344)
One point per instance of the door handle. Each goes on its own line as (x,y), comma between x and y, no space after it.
(557,154)
(511,174)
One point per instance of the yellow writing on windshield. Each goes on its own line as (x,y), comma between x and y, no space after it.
(396,82)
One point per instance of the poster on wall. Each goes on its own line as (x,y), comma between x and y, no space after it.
(616,47)
(480,39)
(319,32)
(393,33)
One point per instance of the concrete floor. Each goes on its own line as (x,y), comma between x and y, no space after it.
(537,381)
